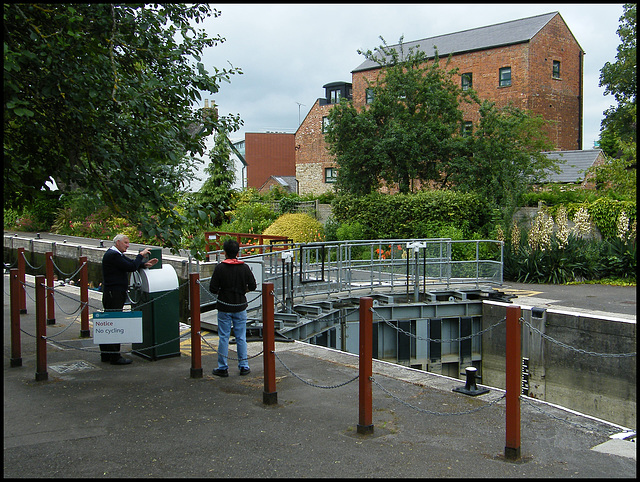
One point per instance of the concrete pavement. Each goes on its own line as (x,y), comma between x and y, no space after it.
(151,419)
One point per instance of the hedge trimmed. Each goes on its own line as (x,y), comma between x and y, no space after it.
(418,215)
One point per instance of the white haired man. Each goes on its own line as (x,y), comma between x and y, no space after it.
(115,282)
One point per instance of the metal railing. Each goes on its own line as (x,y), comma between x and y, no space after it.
(408,266)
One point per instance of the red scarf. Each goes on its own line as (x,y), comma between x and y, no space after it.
(233,261)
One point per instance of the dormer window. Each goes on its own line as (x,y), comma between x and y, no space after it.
(334,96)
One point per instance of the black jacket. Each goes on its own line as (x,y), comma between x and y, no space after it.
(115,269)
(231,281)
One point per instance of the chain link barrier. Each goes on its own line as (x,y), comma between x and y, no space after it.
(431,412)
(438,340)
(569,347)
(313,384)
(228,356)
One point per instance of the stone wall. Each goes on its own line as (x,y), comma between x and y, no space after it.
(604,387)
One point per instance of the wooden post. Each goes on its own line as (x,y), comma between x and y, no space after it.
(51,309)
(269,395)
(513,383)
(15,289)
(196,342)
(22,278)
(365,420)
(41,330)
(84,298)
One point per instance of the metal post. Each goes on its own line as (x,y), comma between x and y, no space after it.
(269,395)
(22,278)
(51,310)
(196,342)
(365,420)
(41,330)
(513,384)
(16,347)
(84,298)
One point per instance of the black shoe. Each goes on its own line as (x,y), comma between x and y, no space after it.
(121,361)
(220,372)
(105,358)
(245,371)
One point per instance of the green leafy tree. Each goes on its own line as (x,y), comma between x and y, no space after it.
(407,133)
(412,130)
(504,156)
(618,133)
(217,189)
(619,79)
(100,97)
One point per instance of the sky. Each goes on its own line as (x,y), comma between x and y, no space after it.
(287,52)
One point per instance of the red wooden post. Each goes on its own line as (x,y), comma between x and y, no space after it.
(22,278)
(269,395)
(196,342)
(15,289)
(51,310)
(41,330)
(513,383)
(84,298)
(365,420)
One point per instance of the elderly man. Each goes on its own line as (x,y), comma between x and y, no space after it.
(115,281)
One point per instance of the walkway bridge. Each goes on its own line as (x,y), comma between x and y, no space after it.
(432,289)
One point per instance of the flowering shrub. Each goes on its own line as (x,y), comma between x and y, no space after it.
(562,255)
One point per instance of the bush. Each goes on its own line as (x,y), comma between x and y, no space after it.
(300,227)
(417,215)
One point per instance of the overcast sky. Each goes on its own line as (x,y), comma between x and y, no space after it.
(289,51)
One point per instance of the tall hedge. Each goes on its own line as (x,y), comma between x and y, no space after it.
(413,215)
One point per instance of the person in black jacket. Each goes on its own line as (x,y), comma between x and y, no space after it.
(115,281)
(231,280)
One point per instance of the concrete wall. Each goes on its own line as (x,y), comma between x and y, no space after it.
(604,387)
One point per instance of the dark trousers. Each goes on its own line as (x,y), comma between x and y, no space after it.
(112,301)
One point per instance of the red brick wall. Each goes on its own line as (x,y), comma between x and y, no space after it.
(269,154)
(532,86)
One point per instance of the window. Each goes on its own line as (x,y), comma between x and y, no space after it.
(556,69)
(505,77)
(330,174)
(467,128)
(467,81)
(334,96)
(369,96)
(325,124)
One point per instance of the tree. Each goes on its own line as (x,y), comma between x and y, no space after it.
(100,97)
(504,156)
(619,79)
(618,129)
(216,190)
(407,133)
(412,130)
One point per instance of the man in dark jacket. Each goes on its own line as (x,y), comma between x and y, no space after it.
(115,281)
(231,280)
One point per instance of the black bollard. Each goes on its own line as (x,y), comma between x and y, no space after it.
(470,387)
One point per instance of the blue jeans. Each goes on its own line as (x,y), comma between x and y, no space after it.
(239,322)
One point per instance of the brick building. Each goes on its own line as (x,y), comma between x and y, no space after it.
(268,154)
(534,62)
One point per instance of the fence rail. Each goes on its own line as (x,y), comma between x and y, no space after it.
(408,266)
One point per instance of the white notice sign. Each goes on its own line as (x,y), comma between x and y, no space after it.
(117,327)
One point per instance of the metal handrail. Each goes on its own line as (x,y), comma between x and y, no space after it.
(399,265)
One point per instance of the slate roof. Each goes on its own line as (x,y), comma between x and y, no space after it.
(500,34)
(574,164)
